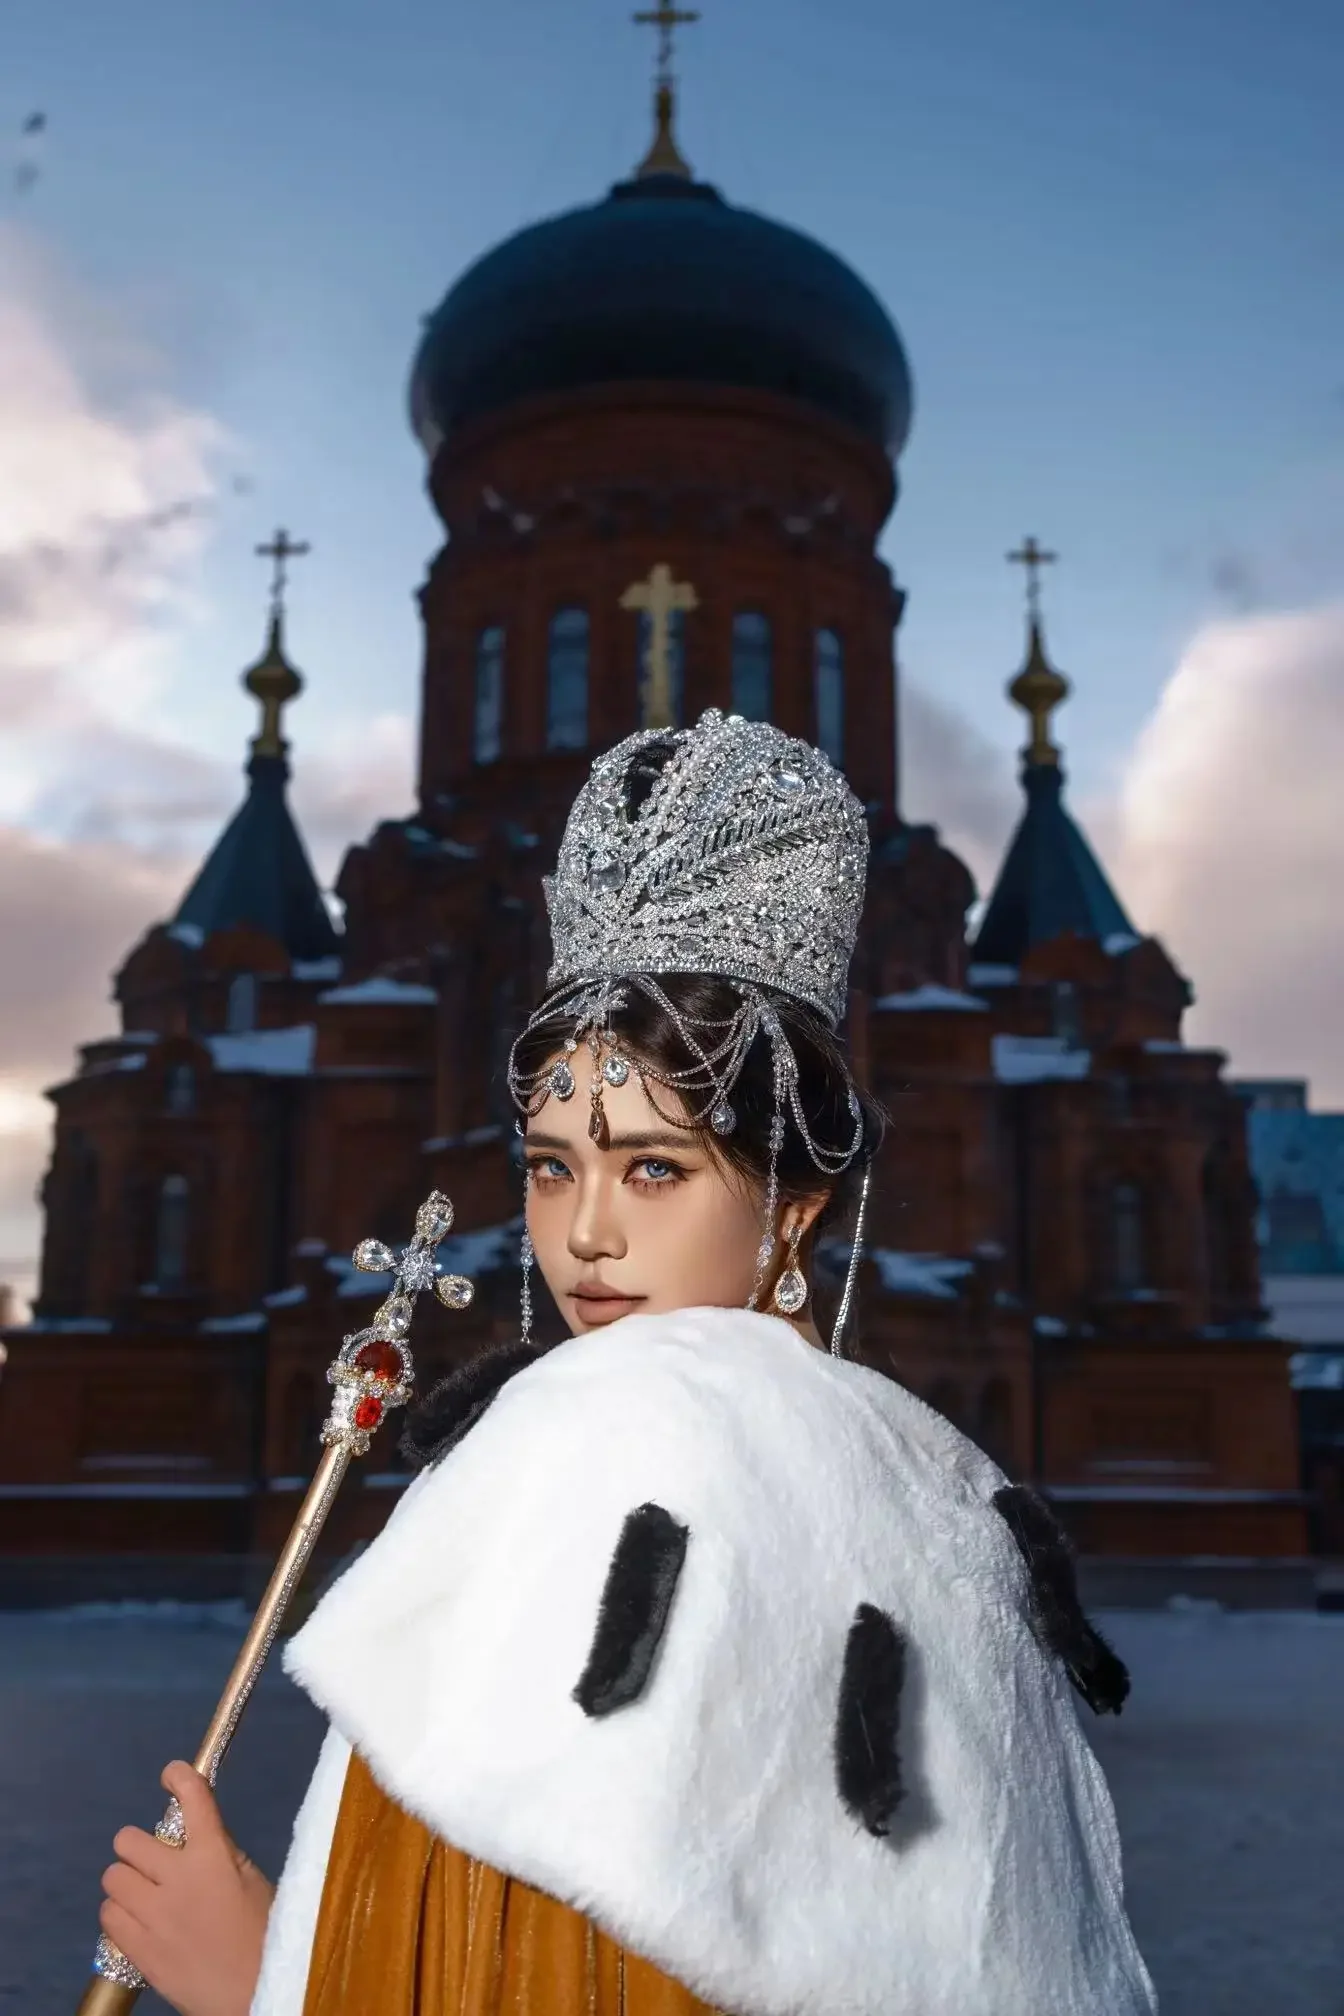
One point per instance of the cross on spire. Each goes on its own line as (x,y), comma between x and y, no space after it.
(664,156)
(1033,557)
(281,549)
(666,17)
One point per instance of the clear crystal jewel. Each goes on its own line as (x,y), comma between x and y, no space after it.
(562,1080)
(454,1291)
(394,1318)
(417,1269)
(616,1069)
(723,1119)
(435,1216)
(373,1257)
(606,876)
(786,783)
(790,1292)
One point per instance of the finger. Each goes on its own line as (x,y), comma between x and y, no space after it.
(141,1851)
(130,1937)
(194,1796)
(132,1891)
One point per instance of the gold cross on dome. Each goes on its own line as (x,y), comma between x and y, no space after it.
(281,548)
(666,18)
(1033,557)
(659,598)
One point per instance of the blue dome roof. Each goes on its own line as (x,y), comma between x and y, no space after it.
(662,280)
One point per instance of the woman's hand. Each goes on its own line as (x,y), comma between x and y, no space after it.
(192,1919)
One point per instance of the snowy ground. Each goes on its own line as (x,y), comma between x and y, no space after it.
(1227,1769)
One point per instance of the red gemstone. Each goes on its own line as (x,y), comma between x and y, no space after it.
(368,1412)
(382,1359)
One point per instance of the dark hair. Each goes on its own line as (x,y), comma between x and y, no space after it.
(824,1081)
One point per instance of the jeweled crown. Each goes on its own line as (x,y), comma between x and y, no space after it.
(747,859)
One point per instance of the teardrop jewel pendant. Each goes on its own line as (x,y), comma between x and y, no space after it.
(791,1288)
(790,1291)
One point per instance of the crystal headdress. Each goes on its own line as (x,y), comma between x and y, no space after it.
(747,860)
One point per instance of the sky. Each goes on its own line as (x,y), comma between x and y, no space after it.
(1112,240)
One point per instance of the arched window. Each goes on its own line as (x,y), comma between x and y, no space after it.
(828,694)
(753,681)
(676,663)
(488,719)
(1128,1265)
(567,680)
(179,1087)
(241,1013)
(170,1233)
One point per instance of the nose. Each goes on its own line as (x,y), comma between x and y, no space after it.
(594,1228)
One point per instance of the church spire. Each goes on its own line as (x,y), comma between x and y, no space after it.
(1050,882)
(273,680)
(664,156)
(1038,688)
(258,872)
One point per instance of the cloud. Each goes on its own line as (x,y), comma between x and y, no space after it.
(106,488)
(1229,841)
(954,777)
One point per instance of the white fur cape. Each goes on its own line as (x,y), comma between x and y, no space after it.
(701,1824)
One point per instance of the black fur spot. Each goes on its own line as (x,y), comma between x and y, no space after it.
(1056,1614)
(632,1617)
(438,1422)
(867,1758)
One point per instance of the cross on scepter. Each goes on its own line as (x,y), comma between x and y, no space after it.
(666,18)
(1033,557)
(660,598)
(281,548)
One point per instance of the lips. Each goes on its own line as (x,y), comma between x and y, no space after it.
(603,1305)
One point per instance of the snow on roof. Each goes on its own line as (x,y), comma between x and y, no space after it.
(284,1053)
(919,1273)
(1120,941)
(991,976)
(1163,1046)
(1316,1371)
(71,1325)
(1050,1326)
(286,1298)
(929,997)
(317,969)
(1026,1060)
(380,991)
(143,1036)
(187,934)
(218,1326)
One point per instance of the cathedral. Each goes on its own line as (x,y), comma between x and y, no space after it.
(662,434)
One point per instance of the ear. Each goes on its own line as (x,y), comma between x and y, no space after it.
(802,1214)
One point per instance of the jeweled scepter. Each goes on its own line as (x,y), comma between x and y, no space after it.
(372,1372)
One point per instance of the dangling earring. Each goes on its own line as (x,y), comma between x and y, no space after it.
(526,1256)
(791,1288)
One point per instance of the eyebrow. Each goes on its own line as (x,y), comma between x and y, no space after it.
(619,1143)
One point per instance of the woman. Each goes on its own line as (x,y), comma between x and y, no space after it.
(699,1668)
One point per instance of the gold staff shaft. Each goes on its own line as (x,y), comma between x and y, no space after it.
(372,1373)
(106,1995)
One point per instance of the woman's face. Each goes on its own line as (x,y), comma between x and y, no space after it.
(650,1222)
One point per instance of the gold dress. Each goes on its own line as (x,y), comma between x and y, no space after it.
(410,1926)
